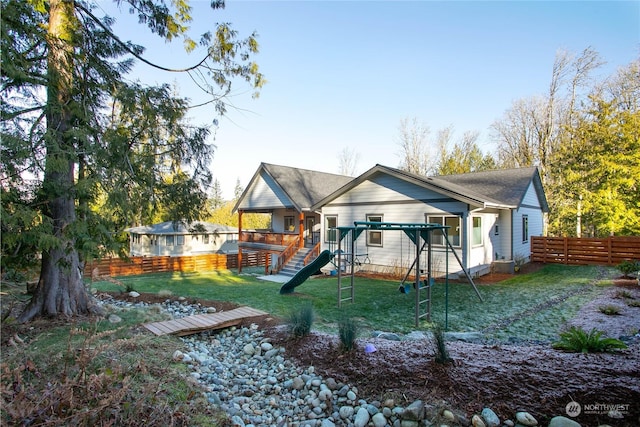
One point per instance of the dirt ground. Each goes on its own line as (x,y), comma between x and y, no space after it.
(505,378)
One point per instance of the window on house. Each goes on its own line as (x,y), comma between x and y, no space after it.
(476,237)
(180,240)
(289,224)
(374,237)
(525,228)
(168,240)
(330,221)
(205,239)
(497,230)
(454,232)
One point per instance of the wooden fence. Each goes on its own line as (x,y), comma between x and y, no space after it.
(585,251)
(166,264)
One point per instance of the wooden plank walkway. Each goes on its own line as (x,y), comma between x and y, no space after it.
(203,322)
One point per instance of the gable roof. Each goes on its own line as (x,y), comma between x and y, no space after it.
(503,189)
(507,186)
(170,227)
(303,187)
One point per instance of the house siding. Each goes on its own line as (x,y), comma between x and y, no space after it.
(530,207)
(193,245)
(264,194)
(395,200)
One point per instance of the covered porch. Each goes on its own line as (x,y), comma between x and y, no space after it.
(289,232)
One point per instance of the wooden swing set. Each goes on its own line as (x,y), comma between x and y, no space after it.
(421,234)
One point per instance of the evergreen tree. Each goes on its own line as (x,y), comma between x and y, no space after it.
(84,150)
(599,173)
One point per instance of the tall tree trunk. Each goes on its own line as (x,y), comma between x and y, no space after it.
(60,290)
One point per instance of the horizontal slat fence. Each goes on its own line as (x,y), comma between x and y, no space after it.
(585,251)
(166,264)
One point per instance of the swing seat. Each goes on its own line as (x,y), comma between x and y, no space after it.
(404,288)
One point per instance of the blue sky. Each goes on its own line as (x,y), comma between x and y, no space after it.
(344,74)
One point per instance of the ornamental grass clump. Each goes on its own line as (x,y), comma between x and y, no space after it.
(348,332)
(609,310)
(300,320)
(440,345)
(577,340)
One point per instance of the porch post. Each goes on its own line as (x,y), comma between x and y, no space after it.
(301,230)
(239,240)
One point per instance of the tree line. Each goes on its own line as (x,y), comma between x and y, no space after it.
(582,134)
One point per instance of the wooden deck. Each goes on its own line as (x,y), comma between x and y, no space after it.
(203,322)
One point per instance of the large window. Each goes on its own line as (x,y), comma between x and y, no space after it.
(330,221)
(476,237)
(180,240)
(454,232)
(374,237)
(168,240)
(525,228)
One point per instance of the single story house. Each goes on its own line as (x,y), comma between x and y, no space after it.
(491,215)
(181,239)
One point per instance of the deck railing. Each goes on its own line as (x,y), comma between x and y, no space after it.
(287,254)
(268,237)
(313,254)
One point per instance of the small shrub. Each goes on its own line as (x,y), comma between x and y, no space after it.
(633,303)
(300,320)
(609,310)
(627,268)
(165,293)
(348,332)
(440,345)
(578,340)
(624,294)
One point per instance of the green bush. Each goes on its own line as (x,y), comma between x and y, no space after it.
(578,340)
(609,310)
(627,268)
(348,332)
(300,320)
(440,345)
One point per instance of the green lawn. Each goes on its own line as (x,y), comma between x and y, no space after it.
(527,306)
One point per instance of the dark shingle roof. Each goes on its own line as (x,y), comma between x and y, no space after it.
(169,227)
(499,188)
(305,187)
(507,186)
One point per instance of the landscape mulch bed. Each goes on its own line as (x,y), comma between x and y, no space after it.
(505,378)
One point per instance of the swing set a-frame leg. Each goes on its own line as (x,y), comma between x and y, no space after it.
(466,273)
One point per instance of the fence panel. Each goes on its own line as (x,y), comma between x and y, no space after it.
(585,251)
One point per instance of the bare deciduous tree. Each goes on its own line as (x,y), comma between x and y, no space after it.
(348,162)
(415,151)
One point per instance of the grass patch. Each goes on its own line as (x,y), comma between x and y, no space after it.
(92,373)
(556,292)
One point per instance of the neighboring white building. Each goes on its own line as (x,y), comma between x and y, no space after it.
(491,215)
(180,239)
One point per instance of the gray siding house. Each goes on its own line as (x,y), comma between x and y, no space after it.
(180,239)
(287,193)
(491,215)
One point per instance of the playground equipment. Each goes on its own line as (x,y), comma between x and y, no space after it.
(421,236)
(323,259)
